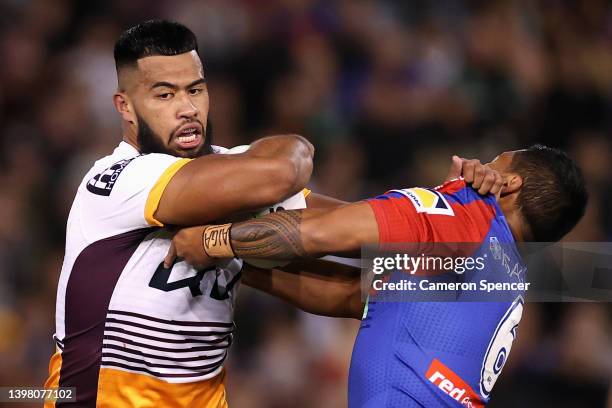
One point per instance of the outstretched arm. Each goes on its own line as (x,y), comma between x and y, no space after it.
(333,228)
(303,233)
(284,235)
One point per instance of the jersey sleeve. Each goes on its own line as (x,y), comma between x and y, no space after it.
(396,218)
(451,213)
(414,215)
(126,195)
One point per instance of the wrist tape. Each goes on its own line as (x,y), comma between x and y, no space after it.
(216,241)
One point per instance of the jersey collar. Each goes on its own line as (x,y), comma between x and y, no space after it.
(126,149)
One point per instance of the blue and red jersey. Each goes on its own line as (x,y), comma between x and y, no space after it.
(438,354)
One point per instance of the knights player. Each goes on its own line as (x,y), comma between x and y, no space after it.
(411,354)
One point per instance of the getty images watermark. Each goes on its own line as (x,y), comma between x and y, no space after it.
(489,271)
(431,265)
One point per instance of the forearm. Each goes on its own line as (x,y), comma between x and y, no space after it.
(274,236)
(315,200)
(318,287)
(306,233)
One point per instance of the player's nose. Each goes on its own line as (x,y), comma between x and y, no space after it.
(187,109)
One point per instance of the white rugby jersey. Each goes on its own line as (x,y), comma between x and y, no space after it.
(128,331)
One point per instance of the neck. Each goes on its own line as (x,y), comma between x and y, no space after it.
(516,224)
(514,220)
(130,137)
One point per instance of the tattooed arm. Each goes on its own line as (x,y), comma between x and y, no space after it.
(287,235)
(283,235)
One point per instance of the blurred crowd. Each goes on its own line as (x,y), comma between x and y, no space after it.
(386,90)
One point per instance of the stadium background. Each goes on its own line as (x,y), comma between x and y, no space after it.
(387,91)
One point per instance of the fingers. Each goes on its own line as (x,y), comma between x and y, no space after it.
(170,256)
(487,184)
(481,177)
(455,168)
(497,185)
(470,170)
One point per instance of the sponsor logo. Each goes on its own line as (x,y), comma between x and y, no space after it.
(103,183)
(452,385)
(427,201)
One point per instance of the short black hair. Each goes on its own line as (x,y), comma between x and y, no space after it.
(553,196)
(153,37)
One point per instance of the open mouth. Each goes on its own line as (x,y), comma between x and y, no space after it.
(189,136)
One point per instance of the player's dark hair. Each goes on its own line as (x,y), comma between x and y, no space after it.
(553,197)
(153,37)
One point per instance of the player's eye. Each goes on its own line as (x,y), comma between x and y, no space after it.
(195,91)
(166,95)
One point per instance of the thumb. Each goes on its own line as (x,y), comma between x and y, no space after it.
(455,168)
(170,256)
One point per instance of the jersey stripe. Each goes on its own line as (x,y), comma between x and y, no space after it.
(110,329)
(172,348)
(161,330)
(110,345)
(158,189)
(107,357)
(91,283)
(173,322)
(155,346)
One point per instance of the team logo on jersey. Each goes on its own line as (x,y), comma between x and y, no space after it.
(452,385)
(495,248)
(427,201)
(103,183)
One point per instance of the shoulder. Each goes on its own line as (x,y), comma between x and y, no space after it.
(116,172)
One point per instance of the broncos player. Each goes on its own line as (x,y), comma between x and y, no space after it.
(412,354)
(130,332)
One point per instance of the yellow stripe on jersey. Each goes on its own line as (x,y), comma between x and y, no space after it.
(55,365)
(306,192)
(156,192)
(122,389)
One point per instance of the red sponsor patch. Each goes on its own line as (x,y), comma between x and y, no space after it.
(452,385)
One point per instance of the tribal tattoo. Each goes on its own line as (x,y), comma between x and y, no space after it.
(274,236)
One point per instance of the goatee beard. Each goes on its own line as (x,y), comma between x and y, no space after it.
(150,142)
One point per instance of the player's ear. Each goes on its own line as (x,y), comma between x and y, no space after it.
(123,106)
(512,184)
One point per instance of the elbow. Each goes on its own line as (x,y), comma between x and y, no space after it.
(297,167)
(303,149)
(284,178)
(286,174)
(278,182)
